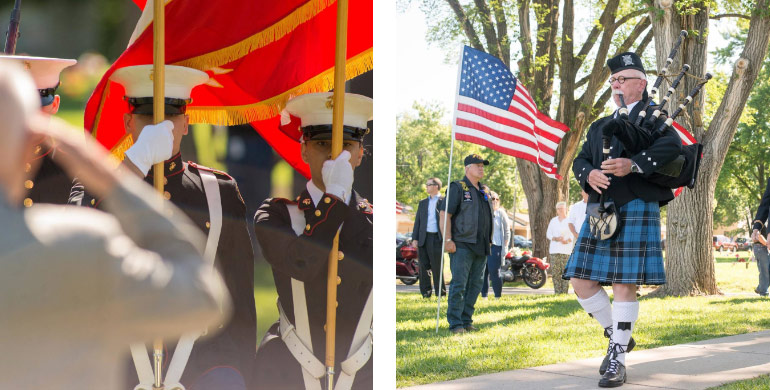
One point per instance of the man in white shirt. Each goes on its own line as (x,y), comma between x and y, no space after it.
(562,242)
(577,215)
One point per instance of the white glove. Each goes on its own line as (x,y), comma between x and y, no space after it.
(154,145)
(338,176)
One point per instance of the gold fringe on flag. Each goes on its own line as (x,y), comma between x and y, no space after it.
(269,35)
(119,150)
(268,108)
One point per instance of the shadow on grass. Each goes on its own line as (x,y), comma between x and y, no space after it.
(530,308)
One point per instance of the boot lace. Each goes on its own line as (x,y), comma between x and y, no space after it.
(617,349)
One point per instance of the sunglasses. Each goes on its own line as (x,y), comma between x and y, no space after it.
(430,184)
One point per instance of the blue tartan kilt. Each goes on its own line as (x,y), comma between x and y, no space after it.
(632,257)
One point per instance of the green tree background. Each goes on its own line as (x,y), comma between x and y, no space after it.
(423,143)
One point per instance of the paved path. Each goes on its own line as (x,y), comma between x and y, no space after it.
(698,365)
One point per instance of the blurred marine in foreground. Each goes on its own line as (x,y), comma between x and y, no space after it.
(78,284)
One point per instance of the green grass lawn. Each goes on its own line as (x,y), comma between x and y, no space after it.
(760,382)
(520,331)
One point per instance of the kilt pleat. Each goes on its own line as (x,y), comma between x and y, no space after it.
(634,256)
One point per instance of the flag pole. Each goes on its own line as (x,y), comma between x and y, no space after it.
(158,111)
(338,114)
(449,183)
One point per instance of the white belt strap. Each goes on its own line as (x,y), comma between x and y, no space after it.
(214,199)
(297,337)
(184,347)
(360,348)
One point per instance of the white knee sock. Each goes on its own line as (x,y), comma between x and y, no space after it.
(624,315)
(598,306)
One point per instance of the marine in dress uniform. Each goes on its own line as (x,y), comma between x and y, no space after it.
(50,184)
(633,257)
(225,360)
(296,238)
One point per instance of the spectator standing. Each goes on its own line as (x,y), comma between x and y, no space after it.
(428,238)
(562,242)
(760,247)
(468,234)
(577,215)
(501,235)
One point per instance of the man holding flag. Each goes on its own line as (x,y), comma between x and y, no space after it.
(633,255)
(296,237)
(211,199)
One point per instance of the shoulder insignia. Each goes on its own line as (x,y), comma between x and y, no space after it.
(465,186)
(282,200)
(215,171)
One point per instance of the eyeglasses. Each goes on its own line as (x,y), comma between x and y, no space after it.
(430,184)
(622,79)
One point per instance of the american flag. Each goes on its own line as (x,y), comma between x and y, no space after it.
(496,111)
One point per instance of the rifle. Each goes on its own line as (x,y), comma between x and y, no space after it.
(12,35)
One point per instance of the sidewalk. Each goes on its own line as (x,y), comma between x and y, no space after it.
(698,365)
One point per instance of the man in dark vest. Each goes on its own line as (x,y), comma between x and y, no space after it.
(633,256)
(428,238)
(468,237)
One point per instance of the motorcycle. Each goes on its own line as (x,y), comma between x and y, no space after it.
(531,269)
(407,265)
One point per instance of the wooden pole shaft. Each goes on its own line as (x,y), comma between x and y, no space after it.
(337,122)
(158,111)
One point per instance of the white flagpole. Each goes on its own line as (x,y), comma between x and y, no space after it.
(449,183)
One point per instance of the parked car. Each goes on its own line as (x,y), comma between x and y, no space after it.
(721,243)
(521,242)
(743,243)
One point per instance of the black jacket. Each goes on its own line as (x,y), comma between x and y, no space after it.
(420,229)
(305,258)
(634,185)
(760,220)
(50,184)
(235,344)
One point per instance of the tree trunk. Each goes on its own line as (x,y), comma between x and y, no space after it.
(689,257)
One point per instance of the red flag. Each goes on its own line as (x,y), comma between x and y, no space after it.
(258,54)
(496,111)
(687,139)
(140,3)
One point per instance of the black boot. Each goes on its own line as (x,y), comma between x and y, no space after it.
(615,375)
(606,361)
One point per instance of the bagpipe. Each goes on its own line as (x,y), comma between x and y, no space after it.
(640,133)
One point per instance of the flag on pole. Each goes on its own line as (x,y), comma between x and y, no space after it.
(258,54)
(496,111)
(687,139)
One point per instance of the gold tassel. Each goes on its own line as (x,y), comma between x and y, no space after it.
(119,150)
(268,108)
